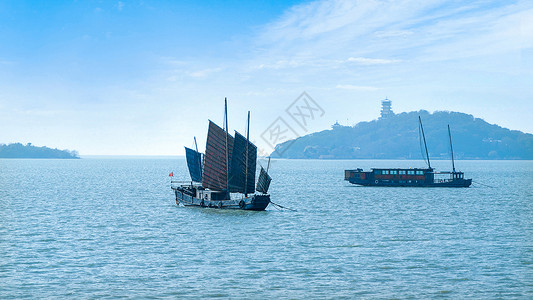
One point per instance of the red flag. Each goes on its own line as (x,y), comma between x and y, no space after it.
(171,174)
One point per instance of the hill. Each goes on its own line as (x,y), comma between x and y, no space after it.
(397,137)
(18,150)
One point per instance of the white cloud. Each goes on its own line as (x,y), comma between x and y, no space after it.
(406,30)
(393,33)
(204,73)
(280,64)
(360,88)
(372,61)
(39,112)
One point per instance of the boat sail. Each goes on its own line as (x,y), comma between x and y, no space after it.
(263,183)
(215,173)
(243,165)
(226,179)
(194,163)
(412,177)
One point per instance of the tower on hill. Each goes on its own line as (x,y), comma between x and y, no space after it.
(386,110)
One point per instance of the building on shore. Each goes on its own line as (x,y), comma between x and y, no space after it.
(386,109)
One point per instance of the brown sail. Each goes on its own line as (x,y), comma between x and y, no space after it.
(263,183)
(240,181)
(215,173)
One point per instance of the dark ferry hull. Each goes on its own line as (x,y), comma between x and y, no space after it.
(406,178)
(256,202)
(453,184)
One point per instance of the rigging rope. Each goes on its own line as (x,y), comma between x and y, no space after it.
(483,184)
(420,145)
(277,205)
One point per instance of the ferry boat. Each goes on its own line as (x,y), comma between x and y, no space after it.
(224,177)
(412,177)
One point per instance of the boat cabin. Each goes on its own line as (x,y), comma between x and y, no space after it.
(211,195)
(398,176)
(402,177)
(197,191)
(410,177)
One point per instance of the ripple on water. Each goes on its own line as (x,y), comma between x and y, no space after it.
(109,228)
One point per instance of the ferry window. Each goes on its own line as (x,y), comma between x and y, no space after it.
(385,172)
(402,172)
(419,173)
(394,172)
(411,172)
(377,172)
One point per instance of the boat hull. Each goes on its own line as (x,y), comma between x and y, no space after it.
(257,202)
(406,178)
(453,184)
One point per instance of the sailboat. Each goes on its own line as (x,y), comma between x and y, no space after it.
(224,177)
(412,177)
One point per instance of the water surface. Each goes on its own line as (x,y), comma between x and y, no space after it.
(96,228)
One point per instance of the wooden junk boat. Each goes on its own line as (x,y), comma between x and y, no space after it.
(417,177)
(225,176)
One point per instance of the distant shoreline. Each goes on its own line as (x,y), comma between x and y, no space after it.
(29,151)
(132,156)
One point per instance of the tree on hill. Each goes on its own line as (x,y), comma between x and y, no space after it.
(18,150)
(397,137)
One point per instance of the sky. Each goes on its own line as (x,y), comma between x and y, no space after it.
(144,77)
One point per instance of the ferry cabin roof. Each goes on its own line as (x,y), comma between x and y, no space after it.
(387,171)
(401,171)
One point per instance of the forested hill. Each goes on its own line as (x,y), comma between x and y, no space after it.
(19,150)
(397,137)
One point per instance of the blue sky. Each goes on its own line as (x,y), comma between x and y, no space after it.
(143,77)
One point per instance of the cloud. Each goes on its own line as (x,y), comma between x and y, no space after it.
(393,33)
(372,61)
(120,5)
(39,112)
(322,63)
(406,30)
(280,64)
(360,88)
(204,73)
(179,69)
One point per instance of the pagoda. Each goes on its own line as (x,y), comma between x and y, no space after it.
(386,110)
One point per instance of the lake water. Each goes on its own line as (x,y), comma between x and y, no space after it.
(108,228)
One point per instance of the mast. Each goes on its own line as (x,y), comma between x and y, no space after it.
(246,161)
(268,166)
(425,145)
(227,156)
(451,147)
(199,155)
